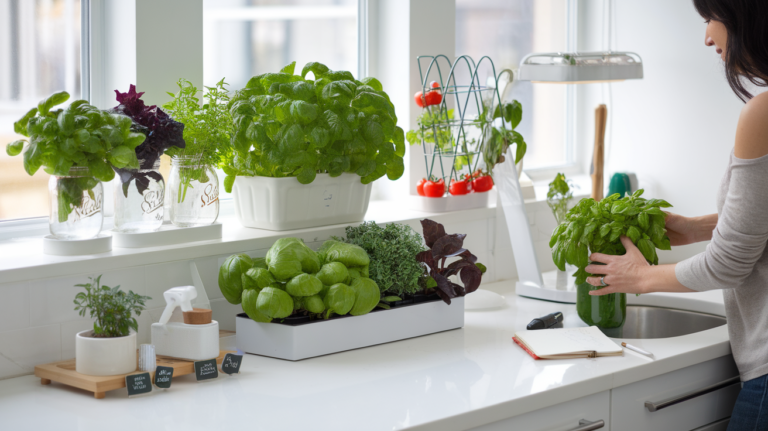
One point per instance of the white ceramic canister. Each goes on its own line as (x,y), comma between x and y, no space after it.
(104,356)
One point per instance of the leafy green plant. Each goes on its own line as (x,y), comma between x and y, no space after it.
(559,196)
(111,308)
(207,129)
(80,135)
(294,280)
(287,125)
(596,227)
(392,249)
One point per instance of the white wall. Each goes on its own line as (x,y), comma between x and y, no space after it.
(675,127)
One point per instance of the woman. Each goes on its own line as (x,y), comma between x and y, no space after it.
(737,259)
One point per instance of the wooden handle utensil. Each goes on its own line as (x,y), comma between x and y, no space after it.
(601,116)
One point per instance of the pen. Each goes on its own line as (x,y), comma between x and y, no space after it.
(637,349)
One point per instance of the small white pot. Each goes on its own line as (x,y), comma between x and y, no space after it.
(284,203)
(104,356)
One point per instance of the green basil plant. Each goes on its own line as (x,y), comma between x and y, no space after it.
(596,227)
(287,125)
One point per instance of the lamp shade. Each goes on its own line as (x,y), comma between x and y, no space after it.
(581,67)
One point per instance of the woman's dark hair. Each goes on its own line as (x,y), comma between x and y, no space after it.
(746,53)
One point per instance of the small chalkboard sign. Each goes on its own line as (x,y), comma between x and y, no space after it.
(231,363)
(138,384)
(205,370)
(163,376)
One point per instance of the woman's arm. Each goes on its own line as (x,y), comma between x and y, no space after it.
(688,230)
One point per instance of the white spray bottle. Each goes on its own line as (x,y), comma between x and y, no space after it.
(172,337)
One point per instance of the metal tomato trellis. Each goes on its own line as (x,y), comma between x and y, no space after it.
(441,124)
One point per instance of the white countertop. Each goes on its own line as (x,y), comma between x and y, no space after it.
(453,380)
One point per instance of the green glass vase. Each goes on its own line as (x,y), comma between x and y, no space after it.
(605,311)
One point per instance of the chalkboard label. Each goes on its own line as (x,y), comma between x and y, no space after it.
(163,376)
(205,370)
(138,384)
(231,363)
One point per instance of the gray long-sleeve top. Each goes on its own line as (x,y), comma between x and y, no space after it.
(736,260)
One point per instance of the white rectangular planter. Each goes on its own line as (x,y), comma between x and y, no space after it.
(285,203)
(322,337)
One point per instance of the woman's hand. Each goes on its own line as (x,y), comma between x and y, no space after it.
(622,274)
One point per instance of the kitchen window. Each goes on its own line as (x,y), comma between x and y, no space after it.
(244,38)
(39,55)
(506,31)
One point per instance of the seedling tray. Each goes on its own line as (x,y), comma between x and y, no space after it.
(322,337)
(64,372)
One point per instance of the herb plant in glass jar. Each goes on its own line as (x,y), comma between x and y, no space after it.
(559,196)
(596,227)
(140,193)
(78,146)
(194,184)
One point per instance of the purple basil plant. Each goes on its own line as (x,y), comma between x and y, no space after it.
(442,248)
(162,132)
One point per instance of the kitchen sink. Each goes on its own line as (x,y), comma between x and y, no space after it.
(656,322)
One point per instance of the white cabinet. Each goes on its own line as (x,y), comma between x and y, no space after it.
(561,417)
(678,398)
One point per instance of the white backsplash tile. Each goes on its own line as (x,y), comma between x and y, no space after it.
(161,277)
(51,300)
(224,313)
(208,268)
(31,346)
(14,306)
(129,279)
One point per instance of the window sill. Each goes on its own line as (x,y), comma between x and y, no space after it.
(22,258)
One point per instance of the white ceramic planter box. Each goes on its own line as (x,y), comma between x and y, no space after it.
(322,337)
(105,356)
(285,203)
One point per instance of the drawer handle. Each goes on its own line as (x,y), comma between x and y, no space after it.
(652,407)
(585,425)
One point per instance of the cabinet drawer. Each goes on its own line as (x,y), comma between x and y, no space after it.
(628,403)
(561,417)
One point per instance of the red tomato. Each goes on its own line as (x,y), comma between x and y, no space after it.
(434,84)
(420,187)
(420,100)
(434,189)
(434,98)
(459,187)
(482,184)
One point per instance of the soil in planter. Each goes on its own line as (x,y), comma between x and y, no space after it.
(421,297)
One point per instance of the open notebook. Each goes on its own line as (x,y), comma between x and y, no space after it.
(567,343)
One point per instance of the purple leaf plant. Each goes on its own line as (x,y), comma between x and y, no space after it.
(442,248)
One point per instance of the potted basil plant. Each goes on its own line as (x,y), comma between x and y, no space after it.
(304,152)
(596,227)
(110,347)
(78,146)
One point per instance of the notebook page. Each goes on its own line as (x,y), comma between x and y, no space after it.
(549,342)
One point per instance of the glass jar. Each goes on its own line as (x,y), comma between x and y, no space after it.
(194,192)
(139,198)
(76,205)
(604,311)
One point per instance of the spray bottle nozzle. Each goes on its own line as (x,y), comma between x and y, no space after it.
(181,296)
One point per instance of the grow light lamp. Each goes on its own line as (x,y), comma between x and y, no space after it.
(580,68)
(558,68)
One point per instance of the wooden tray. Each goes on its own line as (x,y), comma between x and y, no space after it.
(64,372)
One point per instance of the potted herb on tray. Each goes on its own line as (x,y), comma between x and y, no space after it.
(110,347)
(596,227)
(194,185)
(78,146)
(304,152)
